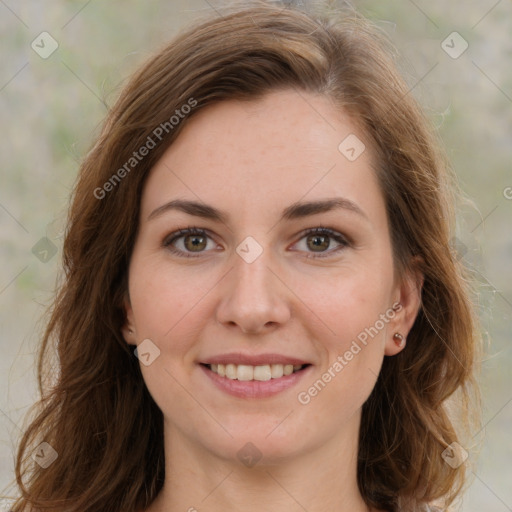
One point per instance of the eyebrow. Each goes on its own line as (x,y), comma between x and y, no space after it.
(294,211)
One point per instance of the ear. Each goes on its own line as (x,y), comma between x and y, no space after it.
(128,329)
(408,303)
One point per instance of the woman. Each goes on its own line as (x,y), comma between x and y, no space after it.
(260,309)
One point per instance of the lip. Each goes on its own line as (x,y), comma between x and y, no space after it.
(253,359)
(255,388)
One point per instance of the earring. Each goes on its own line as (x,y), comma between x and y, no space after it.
(399,340)
(131,331)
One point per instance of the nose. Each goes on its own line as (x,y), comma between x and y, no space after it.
(254,297)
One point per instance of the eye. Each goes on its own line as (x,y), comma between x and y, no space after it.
(319,240)
(185,242)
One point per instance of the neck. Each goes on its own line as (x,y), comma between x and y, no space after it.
(323,478)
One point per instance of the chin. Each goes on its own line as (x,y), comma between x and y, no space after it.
(260,441)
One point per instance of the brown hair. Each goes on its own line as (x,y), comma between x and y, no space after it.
(96,411)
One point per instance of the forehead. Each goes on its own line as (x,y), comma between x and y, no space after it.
(250,155)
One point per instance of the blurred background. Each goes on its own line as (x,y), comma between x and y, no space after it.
(64,62)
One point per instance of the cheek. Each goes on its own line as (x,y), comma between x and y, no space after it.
(164,302)
(352,345)
(352,315)
(168,310)
(349,303)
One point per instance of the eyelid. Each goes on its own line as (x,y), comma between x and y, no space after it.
(337,236)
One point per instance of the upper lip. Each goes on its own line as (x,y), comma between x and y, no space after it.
(253,359)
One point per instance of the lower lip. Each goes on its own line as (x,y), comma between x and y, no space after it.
(255,388)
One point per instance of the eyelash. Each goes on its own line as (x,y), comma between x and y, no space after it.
(338,237)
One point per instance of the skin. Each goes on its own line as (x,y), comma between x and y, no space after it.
(252,160)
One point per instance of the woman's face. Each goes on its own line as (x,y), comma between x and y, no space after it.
(256,287)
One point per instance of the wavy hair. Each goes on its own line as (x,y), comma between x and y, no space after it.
(95,410)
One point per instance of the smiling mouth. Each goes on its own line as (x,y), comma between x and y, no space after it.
(264,372)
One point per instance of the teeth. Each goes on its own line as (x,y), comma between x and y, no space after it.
(276,370)
(244,372)
(262,372)
(247,372)
(231,372)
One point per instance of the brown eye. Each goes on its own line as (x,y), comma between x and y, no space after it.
(318,243)
(185,242)
(194,243)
